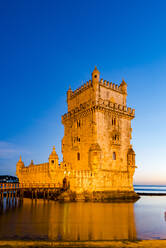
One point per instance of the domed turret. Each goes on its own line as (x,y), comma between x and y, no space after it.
(95,76)
(131,156)
(53,158)
(69,92)
(19,166)
(123,86)
(20,163)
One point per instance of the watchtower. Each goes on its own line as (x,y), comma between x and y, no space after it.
(97,128)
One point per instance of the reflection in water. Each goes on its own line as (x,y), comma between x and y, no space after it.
(68,221)
(149,215)
(92,221)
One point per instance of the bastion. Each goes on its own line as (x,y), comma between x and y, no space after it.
(98,158)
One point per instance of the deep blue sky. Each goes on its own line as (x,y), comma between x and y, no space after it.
(45,46)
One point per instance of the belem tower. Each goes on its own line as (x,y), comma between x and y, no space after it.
(98,158)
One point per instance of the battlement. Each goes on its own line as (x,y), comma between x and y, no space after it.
(101,104)
(35,166)
(89,84)
(79,90)
(111,85)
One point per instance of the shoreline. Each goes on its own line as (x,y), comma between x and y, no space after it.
(92,244)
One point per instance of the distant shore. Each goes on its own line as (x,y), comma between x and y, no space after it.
(82,244)
(152,194)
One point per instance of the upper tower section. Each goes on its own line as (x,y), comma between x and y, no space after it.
(97,91)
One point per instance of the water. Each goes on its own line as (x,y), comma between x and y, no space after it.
(83,221)
(151,189)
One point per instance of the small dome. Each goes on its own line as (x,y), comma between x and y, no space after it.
(53,155)
(95,70)
(123,83)
(95,147)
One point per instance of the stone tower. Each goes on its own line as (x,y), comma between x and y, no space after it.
(98,159)
(97,134)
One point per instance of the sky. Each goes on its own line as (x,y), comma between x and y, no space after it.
(47,46)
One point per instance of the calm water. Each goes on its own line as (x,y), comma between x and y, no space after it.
(43,220)
(150,189)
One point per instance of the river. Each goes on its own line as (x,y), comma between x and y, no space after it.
(83,221)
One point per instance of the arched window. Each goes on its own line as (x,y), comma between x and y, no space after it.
(114,156)
(78,123)
(113,121)
(78,156)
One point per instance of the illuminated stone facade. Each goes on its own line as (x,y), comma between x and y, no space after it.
(97,154)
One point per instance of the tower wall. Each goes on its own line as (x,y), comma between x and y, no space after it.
(98,127)
(77,139)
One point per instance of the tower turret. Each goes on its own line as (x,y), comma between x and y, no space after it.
(19,166)
(95,82)
(53,159)
(69,93)
(20,163)
(123,86)
(95,76)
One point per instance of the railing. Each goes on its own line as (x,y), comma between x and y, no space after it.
(14,186)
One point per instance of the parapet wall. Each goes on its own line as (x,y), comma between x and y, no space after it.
(102,82)
(100,104)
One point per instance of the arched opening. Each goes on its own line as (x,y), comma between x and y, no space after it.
(64,183)
(114,156)
(78,156)
(78,123)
